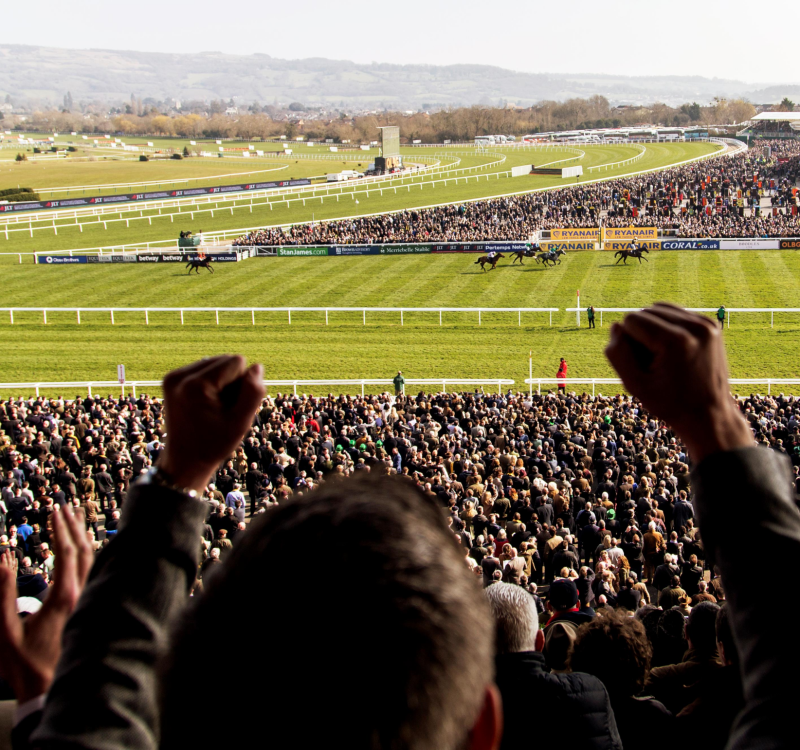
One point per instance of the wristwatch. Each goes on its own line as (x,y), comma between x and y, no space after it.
(157,476)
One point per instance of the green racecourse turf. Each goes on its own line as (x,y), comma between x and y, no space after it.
(422,193)
(62,350)
(93,177)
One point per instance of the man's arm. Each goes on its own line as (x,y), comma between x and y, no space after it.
(675,363)
(137,588)
(105,694)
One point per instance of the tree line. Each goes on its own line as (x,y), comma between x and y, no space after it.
(456,124)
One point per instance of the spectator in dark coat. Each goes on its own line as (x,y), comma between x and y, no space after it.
(614,648)
(577,701)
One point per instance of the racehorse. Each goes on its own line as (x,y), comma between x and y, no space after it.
(518,255)
(552,256)
(198,263)
(625,254)
(485,260)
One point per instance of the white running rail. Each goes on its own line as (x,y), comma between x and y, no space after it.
(539,382)
(728,310)
(108,385)
(289,310)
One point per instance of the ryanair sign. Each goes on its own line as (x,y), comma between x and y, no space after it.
(568,246)
(630,233)
(616,245)
(575,235)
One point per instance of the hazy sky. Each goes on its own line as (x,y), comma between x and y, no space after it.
(729,39)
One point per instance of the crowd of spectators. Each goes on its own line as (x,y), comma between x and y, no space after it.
(720,197)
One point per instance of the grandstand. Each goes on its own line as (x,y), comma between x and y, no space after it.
(773,125)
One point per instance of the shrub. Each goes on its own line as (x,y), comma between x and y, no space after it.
(186,151)
(21,197)
(144,157)
(37,150)
(14,191)
(71,149)
(21,157)
(176,156)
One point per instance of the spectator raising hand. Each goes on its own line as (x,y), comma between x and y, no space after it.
(674,361)
(216,399)
(30,648)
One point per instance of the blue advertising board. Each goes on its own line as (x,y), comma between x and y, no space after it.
(98,200)
(354,250)
(690,244)
(60,260)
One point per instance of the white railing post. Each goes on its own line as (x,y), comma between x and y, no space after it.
(216,314)
(12,317)
(290,317)
(772,319)
(253,316)
(479,317)
(326,317)
(112,317)
(519,317)
(181,317)
(79,316)
(440,317)
(146,319)
(45,316)
(401,317)
(365,315)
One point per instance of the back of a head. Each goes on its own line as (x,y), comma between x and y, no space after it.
(515,616)
(701,627)
(391,649)
(614,648)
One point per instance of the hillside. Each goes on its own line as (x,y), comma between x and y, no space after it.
(45,74)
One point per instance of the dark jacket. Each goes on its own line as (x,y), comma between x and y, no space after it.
(573,706)
(754,483)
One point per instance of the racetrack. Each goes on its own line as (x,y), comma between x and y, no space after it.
(63,350)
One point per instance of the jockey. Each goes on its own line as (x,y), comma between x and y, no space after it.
(491,254)
(633,247)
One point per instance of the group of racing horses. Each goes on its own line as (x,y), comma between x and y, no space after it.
(553,257)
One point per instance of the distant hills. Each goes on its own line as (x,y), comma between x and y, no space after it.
(44,74)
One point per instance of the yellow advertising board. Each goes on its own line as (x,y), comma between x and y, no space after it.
(630,233)
(615,245)
(575,235)
(568,246)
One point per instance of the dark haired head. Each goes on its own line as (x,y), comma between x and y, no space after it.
(614,648)
(397,619)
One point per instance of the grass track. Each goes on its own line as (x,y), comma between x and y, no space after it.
(346,349)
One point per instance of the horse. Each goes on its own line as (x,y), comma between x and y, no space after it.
(518,255)
(198,263)
(625,254)
(485,260)
(552,256)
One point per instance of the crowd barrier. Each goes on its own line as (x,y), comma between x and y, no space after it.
(361,383)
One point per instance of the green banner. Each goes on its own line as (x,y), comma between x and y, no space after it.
(293,252)
(404,249)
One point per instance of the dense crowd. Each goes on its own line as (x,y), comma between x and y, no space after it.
(720,197)
(511,469)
